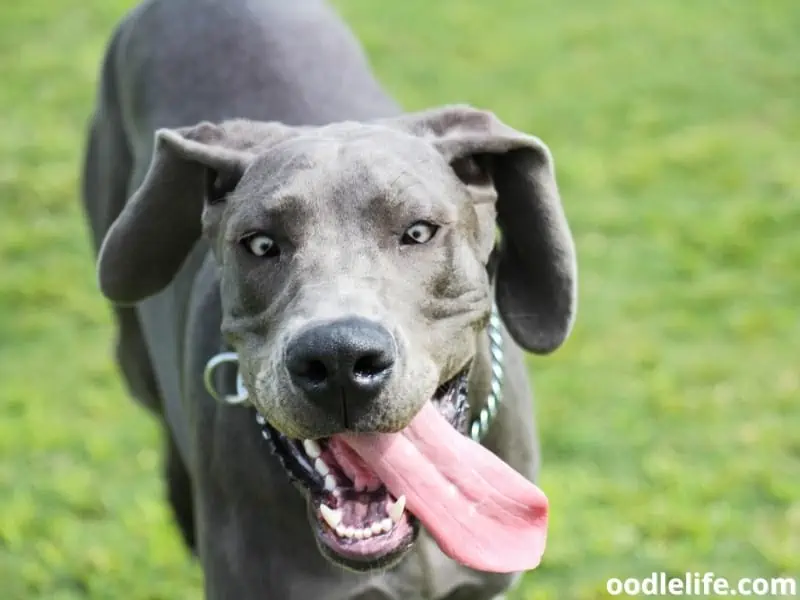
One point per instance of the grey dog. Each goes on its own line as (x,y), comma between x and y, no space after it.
(250,188)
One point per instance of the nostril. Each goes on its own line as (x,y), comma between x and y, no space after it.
(314,372)
(371,365)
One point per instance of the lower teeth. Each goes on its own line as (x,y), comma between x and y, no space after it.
(330,517)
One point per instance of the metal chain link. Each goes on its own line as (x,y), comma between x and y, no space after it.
(480,426)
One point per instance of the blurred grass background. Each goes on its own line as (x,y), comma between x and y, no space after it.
(670,421)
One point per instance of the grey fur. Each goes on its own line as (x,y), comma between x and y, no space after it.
(275,102)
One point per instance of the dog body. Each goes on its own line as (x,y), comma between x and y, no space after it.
(295,72)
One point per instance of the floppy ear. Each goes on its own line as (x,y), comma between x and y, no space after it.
(536,272)
(154,233)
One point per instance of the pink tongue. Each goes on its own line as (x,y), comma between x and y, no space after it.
(481,512)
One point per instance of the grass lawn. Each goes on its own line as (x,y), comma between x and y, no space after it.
(670,421)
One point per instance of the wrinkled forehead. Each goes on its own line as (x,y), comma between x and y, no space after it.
(352,165)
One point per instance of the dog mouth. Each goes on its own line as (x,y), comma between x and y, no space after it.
(370,493)
(357,521)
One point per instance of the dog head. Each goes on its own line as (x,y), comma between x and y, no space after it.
(354,258)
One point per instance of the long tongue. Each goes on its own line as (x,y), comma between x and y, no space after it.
(481,512)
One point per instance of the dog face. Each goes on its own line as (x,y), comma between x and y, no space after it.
(353,274)
(354,262)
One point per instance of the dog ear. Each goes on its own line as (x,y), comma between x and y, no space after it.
(191,167)
(536,271)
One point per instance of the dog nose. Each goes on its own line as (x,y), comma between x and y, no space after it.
(343,364)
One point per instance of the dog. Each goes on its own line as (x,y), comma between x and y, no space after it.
(251,189)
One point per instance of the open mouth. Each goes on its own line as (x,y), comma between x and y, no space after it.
(358,522)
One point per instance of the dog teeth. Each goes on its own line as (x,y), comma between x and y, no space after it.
(395,510)
(320,467)
(332,517)
(330,483)
(260,419)
(312,449)
(356,533)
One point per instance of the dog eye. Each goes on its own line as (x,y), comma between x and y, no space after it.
(260,245)
(420,232)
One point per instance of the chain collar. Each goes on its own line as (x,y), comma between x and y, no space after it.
(479,426)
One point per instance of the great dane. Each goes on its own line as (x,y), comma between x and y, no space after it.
(252,190)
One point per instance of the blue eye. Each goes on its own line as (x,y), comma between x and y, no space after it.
(420,232)
(260,245)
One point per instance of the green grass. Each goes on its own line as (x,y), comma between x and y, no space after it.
(670,421)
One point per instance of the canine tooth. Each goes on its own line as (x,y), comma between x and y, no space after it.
(321,467)
(260,419)
(386,525)
(358,534)
(340,530)
(332,517)
(396,510)
(330,483)
(312,449)
(376,528)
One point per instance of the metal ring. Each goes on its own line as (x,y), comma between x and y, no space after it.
(208,379)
